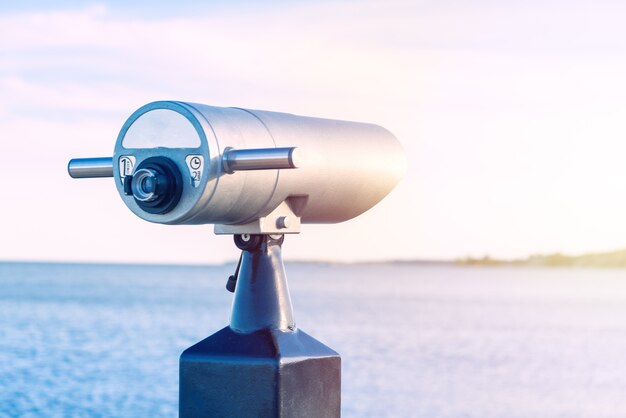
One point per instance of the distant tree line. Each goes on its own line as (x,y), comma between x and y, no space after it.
(605,260)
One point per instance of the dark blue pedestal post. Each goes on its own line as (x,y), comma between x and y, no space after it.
(260,365)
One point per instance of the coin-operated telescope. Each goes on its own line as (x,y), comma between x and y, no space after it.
(257,175)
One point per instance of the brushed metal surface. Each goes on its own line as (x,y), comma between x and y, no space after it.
(259,159)
(81,168)
(343,168)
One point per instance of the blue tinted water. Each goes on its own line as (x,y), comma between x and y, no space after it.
(434,341)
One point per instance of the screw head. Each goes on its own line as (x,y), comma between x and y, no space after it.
(283,222)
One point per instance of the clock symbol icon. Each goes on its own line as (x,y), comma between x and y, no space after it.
(195,163)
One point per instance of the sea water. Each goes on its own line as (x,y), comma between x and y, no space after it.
(416,340)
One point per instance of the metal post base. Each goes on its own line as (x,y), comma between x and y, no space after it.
(268,373)
(260,365)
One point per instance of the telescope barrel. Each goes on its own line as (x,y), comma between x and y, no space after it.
(260,159)
(234,167)
(83,168)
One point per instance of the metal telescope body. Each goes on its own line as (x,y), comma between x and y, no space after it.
(230,162)
(257,175)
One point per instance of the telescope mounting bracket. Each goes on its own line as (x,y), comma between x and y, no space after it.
(281,220)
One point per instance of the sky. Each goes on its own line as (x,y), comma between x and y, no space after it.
(512,115)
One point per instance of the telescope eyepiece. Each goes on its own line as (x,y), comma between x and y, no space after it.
(146,185)
(156,185)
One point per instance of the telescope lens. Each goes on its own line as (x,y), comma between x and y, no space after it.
(157,185)
(145,185)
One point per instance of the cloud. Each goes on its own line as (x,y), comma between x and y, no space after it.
(484,97)
(85,55)
(71,77)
